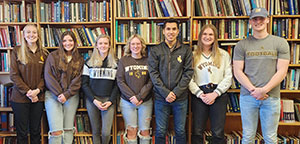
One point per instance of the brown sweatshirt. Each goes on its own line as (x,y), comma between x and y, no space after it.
(63,80)
(26,77)
(133,78)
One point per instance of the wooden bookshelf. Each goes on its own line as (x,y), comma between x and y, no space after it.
(7,134)
(6,109)
(233,118)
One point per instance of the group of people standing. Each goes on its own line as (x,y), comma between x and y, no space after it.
(159,78)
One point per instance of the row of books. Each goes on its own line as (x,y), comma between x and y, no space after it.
(10,36)
(5,94)
(5,61)
(170,138)
(295,57)
(297,109)
(65,11)
(287,28)
(150,31)
(7,122)
(227,28)
(286,7)
(233,102)
(228,7)
(82,123)
(222,7)
(288,139)
(287,111)
(244,7)
(17,11)
(291,81)
(87,54)
(235,137)
(148,8)
(50,37)
(83,140)
(8,140)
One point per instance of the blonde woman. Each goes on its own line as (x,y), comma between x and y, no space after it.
(63,71)
(26,72)
(212,78)
(135,85)
(100,88)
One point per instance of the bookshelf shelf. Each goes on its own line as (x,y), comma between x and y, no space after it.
(232,114)
(220,17)
(285,16)
(16,23)
(6,48)
(151,18)
(293,40)
(4,73)
(81,109)
(289,91)
(281,91)
(233,90)
(296,123)
(294,65)
(7,134)
(74,23)
(5,109)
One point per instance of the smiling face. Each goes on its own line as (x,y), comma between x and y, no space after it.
(30,35)
(135,47)
(171,32)
(103,46)
(68,43)
(208,37)
(259,23)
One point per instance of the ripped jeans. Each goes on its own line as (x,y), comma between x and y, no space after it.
(137,116)
(61,117)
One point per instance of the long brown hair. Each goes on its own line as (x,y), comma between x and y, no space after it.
(214,48)
(22,52)
(76,57)
(127,46)
(96,61)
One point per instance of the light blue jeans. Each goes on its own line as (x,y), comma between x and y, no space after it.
(137,116)
(267,110)
(61,117)
(96,117)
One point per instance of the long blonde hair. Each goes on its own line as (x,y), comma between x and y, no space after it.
(127,46)
(96,61)
(23,50)
(216,55)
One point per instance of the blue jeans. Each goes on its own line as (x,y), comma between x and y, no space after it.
(267,110)
(162,111)
(137,116)
(96,117)
(61,117)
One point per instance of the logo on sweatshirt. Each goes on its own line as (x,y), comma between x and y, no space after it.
(103,73)
(179,59)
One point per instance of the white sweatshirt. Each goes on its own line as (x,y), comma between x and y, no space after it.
(206,72)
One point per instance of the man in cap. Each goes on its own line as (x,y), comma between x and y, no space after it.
(260,63)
